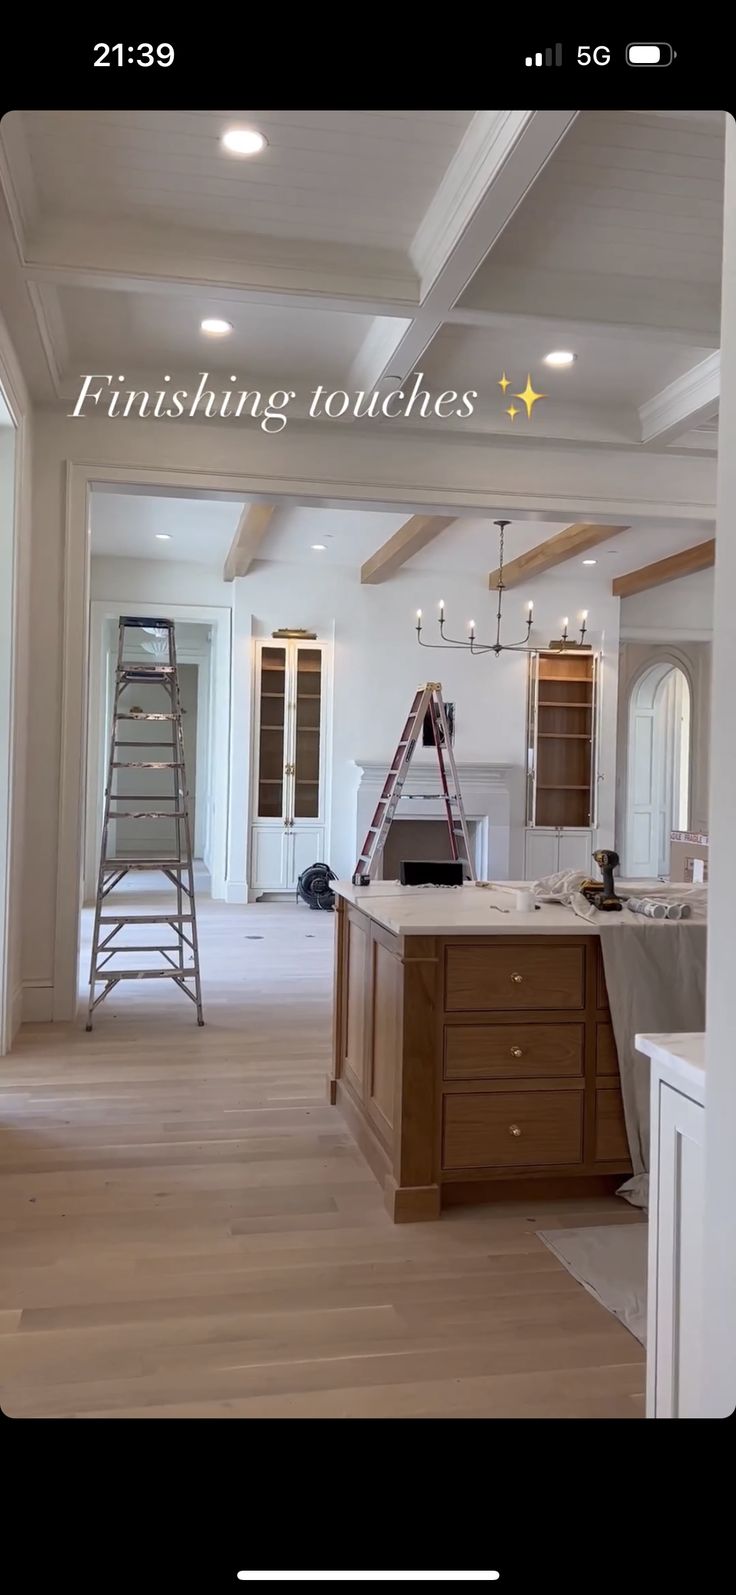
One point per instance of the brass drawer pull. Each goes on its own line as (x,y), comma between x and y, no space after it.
(517,979)
(514,1129)
(516,1052)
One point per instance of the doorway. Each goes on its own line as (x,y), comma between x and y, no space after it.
(659,760)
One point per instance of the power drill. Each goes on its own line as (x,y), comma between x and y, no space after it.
(602,894)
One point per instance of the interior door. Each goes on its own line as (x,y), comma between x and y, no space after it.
(646,777)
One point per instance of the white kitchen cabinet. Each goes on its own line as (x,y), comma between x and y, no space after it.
(547,850)
(289,760)
(676,1208)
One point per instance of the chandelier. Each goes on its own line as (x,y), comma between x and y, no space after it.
(472,644)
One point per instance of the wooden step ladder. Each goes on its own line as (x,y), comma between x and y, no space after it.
(181,952)
(427,700)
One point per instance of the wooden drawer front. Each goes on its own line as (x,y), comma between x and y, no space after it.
(492,1052)
(606,1056)
(611,1141)
(519,1129)
(514,977)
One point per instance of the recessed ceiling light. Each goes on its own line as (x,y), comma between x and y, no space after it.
(163,537)
(560,357)
(243,141)
(590,562)
(215,328)
(319,548)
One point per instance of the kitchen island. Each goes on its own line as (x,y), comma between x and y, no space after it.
(473,1053)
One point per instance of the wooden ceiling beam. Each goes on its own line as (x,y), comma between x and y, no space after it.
(251,530)
(701,557)
(564,545)
(414,535)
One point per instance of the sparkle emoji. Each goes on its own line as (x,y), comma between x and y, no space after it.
(503,383)
(529,397)
(513,409)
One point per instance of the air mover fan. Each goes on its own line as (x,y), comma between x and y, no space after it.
(313,886)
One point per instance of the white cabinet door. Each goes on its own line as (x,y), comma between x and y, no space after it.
(305,846)
(541,854)
(576,848)
(675,1249)
(269,857)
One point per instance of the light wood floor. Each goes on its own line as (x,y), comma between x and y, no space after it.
(188,1229)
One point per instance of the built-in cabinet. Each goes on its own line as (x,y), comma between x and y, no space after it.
(288,803)
(562,761)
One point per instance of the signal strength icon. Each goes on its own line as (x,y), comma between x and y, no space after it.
(551,56)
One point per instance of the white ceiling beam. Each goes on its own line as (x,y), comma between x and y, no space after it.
(653,309)
(499,159)
(561,329)
(234,269)
(684,403)
(251,530)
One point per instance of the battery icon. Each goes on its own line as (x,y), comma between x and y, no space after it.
(649,54)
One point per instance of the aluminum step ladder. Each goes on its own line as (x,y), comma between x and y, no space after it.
(181,952)
(428,700)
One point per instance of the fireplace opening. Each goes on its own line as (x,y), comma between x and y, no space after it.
(410,840)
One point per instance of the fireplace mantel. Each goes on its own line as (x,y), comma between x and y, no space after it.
(486,798)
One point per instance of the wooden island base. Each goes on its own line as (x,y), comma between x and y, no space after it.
(476,1068)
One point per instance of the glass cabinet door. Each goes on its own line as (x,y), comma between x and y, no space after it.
(272,723)
(308,699)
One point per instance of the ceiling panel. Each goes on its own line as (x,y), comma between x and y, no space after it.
(626,193)
(355,177)
(606,370)
(124,526)
(152,329)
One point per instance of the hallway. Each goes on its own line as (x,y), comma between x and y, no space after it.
(188,1229)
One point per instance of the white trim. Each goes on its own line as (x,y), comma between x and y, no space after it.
(684,403)
(12,771)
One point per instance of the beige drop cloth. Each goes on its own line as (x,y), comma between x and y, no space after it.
(655,976)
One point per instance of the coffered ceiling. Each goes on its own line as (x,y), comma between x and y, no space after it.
(360,246)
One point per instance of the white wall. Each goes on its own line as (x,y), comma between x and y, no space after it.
(719,1255)
(681,608)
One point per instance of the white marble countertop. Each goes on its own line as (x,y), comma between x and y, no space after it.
(469,910)
(679,1058)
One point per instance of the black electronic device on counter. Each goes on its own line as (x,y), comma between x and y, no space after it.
(431,872)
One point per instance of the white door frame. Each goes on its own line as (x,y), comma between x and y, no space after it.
(11,694)
(219,620)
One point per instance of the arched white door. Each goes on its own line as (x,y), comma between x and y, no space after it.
(658,768)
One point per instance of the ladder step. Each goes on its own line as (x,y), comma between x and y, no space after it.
(146,919)
(140,715)
(146,814)
(128,622)
(145,863)
(106,953)
(188,973)
(145,670)
(146,764)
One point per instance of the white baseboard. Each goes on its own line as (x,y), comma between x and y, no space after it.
(37,1006)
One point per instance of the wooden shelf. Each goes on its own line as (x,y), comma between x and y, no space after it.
(565,703)
(566,736)
(559,787)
